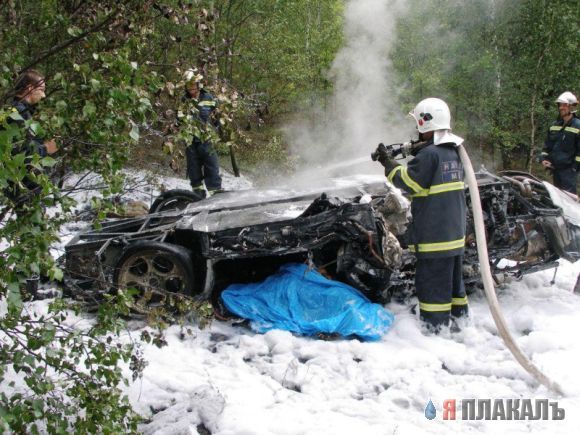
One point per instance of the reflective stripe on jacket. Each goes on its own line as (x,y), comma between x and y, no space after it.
(205,106)
(562,146)
(434,180)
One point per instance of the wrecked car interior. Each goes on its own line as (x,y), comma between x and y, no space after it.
(352,230)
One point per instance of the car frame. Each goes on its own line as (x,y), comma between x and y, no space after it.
(352,230)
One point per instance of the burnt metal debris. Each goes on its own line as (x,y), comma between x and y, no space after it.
(355,233)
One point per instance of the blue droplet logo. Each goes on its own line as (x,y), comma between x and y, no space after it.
(430,411)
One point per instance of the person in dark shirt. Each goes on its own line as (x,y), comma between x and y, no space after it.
(29,90)
(434,180)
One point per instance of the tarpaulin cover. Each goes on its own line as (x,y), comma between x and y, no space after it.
(302,301)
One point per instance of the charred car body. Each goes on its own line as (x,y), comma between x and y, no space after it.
(353,231)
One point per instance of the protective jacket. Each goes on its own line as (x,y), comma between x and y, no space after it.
(205,105)
(434,180)
(562,146)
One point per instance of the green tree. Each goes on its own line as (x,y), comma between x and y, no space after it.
(540,55)
(278,52)
(114,72)
(498,63)
(103,92)
(445,49)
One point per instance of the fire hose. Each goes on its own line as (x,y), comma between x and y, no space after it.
(487,279)
(404,149)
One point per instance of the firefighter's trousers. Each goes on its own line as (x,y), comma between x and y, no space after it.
(440,289)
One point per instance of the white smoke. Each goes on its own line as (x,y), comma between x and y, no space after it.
(363,110)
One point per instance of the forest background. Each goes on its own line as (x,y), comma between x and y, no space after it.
(114,74)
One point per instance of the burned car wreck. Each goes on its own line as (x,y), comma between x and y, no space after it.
(351,230)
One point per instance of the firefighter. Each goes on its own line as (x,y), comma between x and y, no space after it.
(561,153)
(434,180)
(202,160)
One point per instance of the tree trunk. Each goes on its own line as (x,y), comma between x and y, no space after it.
(531,151)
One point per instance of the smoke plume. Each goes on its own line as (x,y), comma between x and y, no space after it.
(363,109)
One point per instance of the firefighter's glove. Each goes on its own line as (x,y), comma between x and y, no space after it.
(381,154)
(385,159)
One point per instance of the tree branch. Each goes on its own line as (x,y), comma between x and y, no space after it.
(65,44)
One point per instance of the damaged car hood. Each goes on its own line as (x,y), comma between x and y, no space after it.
(252,207)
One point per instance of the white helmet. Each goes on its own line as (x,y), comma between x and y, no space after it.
(432,114)
(567,98)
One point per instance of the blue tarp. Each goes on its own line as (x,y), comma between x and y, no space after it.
(302,301)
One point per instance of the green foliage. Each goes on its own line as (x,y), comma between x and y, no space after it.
(62,379)
(103,93)
(278,51)
(114,71)
(258,58)
(270,151)
(54,377)
(499,65)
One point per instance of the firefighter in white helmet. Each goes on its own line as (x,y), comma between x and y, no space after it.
(561,153)
(434,181)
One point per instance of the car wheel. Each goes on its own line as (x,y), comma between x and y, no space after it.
(155,270)
(176,199)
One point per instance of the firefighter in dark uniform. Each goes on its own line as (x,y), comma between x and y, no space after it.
(434,180)
(201,156)
(561,153)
